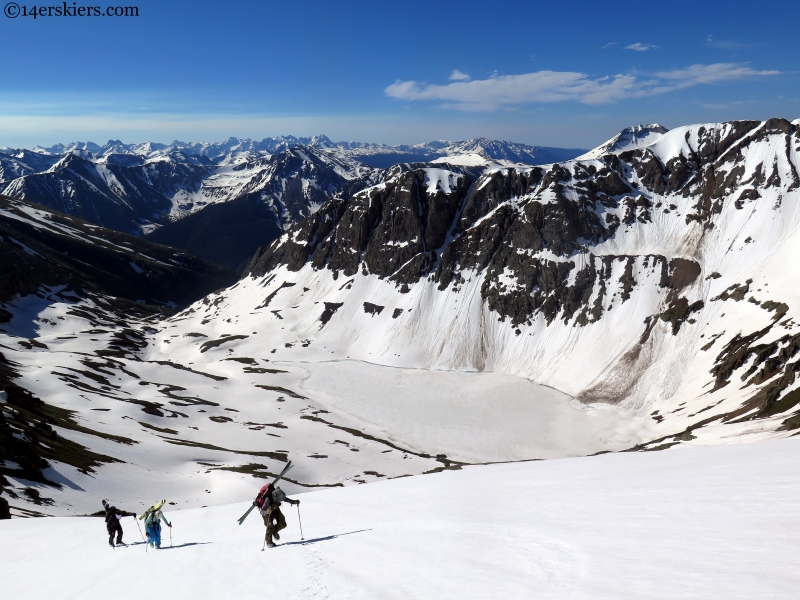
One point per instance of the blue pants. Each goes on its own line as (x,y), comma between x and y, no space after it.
(154,534)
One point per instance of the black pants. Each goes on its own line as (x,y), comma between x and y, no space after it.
(112,529)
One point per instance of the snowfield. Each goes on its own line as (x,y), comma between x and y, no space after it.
(716,522)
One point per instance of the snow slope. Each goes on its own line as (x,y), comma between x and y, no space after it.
(709,522)
(197,416)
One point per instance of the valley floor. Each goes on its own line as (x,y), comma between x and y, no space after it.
(203,418)
(690,522)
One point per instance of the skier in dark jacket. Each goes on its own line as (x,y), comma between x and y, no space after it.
(273,517)
(112,522)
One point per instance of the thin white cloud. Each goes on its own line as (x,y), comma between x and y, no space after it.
(699,74)
(502,91)
(457,75)
(508,90)
(728,44)
(639,47)
(608,45)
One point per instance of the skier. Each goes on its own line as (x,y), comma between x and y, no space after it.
(269,501)
(152,523)
(112,522)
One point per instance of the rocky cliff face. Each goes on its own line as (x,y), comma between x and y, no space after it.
(637,276)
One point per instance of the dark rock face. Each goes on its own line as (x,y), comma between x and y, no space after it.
(407,229)
(330,310)
(373,309)
(226,234)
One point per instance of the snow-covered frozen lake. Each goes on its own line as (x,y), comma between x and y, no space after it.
(715,522)
(469,416)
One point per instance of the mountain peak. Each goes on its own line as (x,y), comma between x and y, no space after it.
(629,138)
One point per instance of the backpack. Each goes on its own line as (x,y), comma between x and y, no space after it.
(156,507)
(263,493)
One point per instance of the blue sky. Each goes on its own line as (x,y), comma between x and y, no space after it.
(547,73)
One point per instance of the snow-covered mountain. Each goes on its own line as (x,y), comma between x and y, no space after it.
(135,193)
(125,195)
(458,312)
(629,138)
(17,163)
(256,189)
(658,278)
(248,204)
(383,156)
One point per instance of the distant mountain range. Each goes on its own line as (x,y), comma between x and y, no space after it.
(374,155)
(251,190)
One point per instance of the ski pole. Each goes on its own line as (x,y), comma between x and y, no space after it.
(266,533)
(139,528)
(170,535)
(299,520)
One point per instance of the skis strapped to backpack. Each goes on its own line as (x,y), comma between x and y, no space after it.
(277,479)
(156,507)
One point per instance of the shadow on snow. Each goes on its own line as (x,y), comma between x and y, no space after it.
(175,547)
(323,539)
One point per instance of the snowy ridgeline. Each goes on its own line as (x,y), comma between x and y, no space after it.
(139,187)
(710,522)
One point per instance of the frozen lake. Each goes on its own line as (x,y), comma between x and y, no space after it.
(469,416)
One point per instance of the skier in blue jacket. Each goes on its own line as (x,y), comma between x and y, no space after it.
(152,525)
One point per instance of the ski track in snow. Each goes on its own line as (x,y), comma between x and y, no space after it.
(714,522)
